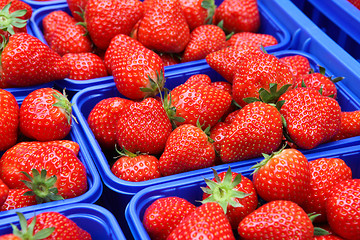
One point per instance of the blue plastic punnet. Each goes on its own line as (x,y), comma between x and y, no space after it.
(39,4)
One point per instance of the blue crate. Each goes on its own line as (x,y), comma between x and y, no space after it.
(190,188)
(95,186)
(119,191)
(339,19)
(39,4)
(94,219)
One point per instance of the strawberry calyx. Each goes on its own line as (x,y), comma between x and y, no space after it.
(64,104)
(26,232)
(41,186)
(317,230)
(266,159)
(210,6)
(270,96)
(322,71)
(156,85)
(170,109)
(224,192)
(125,153)
(10,20)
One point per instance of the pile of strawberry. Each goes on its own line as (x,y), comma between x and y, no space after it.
(38,164)
(288,197)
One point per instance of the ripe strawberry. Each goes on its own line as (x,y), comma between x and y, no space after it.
(259,72)
(103,118)
(143,127)
(325,173)
(277,220)
(196,100)
(164,214)
(234,193)
(350,125)
(26,61)
(207,221)
(105,20)
(18,5)
(136,167)
(169,59)
(187,148)
(9,122)
(204,39)
(238,15)
(77,8)
(256,129)
(144,75)
(52,20)
(254,39)
(73,146)
(64,227)
(45,115)
(311,119)
(163,27)
(298,65)
(85,66)
(16,199)
(283,175)
(342,209)
(225,61)
(4,192)
(198,12)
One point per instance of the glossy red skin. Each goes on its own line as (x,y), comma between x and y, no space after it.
(253,39)
(52,20)
(4,191)
(77,6)
(318,81)
(350,125)
(164,214)
(16,200)
(218,133)
(194,13)
(298,64)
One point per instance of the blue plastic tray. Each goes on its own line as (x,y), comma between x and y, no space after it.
(95,186)
(190,188)
(39,4)
(96,220)
(339,19)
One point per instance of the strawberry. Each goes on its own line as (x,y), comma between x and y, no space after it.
(204,39)
(197,100)
(259,72)
(18,5)
(163,27)
(283,175)
(52,20)
(311,119)
(164,214)
(85,66)
(144,75)
(136,167)
(169,59)
(64,226)
(187,148)
(238,15)
(14,15)
(224,61)
(235,193)
(4,192)
(207,221)
(77,9)
(350,125)
(342,209)
(298,65)
(325,173)
(105,20)
(198,12)
(73,146)
(103,118)
(16,199)
(45,115)
(277,220)
(231,116)
(9,122)
(254,39)
(256,129)
(218,133)
(143,127)
(26,61)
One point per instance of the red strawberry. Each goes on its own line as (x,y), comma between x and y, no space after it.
(204,39)
(277,220)
(73,146)
(77,8)
(64,227)
(198,12)
(136,167)
(259,71)
(218,133)
(298,64)
(85,66)
(4,191)
(343,209)
(206,222)
(224,61)
(26,61)
(45,115)
(16,199)
(311,118)
(238,15)
(164,214)
(163,27)
(105,20)
(235,193)
(143,127)
(103,118)
(52,20)
(254,39)
(9,122)
(284,175)
(187,148)
(325,173)
(256,129)
(350,125)
(18,5)
(169,59)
